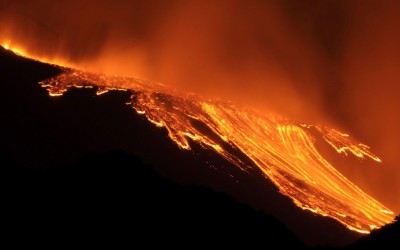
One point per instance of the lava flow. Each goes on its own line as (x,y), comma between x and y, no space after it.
(284,150)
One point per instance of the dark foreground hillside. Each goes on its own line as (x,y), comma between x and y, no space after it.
(387,237)
(55,190)
(114,198)
(39,130)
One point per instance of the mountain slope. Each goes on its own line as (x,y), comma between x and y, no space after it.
(39,130)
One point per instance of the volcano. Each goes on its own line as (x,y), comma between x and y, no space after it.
(46,133)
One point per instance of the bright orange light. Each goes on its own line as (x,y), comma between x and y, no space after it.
(8,45)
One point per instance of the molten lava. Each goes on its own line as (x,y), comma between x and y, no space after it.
(284,150)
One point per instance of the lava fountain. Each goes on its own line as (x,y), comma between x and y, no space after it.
(283,149)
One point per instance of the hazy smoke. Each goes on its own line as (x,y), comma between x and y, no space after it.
(247,51)
(317,60)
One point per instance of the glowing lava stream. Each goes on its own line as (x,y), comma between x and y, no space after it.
(284,150)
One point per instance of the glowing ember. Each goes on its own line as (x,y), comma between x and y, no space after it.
(284,150)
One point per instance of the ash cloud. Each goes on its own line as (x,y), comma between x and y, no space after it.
(323,61)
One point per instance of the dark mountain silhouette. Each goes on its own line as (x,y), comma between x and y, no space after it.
(41,134)
(387,237)
(114,198)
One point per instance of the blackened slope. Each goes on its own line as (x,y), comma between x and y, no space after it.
(114,198)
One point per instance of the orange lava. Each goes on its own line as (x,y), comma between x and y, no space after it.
(283,149)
